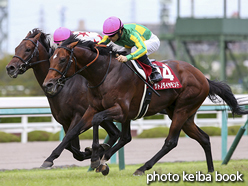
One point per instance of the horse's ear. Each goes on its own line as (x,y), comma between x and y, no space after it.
(29,33)
(37,37)
(72,45)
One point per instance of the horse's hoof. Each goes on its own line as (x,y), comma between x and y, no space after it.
(95,164)
(138,173)
(211,170)
(47,164)
(103,168)
(106,171)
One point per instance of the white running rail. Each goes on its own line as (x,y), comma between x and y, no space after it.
(36,103)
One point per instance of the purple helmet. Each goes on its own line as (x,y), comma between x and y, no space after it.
(61,34)
(112,25)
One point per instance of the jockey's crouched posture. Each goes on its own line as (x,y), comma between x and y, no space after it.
(138,38)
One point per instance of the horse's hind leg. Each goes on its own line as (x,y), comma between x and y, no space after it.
(196,133)
(112,130)
(170,142)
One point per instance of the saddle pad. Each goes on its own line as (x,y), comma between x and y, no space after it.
(170,80)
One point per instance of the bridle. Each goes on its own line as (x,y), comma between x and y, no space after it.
(26,63)
(61,81)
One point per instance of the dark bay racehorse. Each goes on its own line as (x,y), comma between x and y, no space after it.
(115,93)
(69,105)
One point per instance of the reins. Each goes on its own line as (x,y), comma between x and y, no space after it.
(63,79)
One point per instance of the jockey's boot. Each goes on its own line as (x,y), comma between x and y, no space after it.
(155,76)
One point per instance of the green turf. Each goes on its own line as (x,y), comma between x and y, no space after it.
(79,176)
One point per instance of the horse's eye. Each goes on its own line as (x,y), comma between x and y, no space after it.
(28,50)
(62,60)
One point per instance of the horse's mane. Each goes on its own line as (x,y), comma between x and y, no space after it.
(44,39)
(90,44)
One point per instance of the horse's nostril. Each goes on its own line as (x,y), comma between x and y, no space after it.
(10,68)
(49,85)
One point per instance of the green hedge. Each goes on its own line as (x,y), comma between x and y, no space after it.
(159,132)
(212,131)
(6,137)
(47,136)
(216,131)
(233,130)
(86,135)
(39,135)
(54,136)
(89,134)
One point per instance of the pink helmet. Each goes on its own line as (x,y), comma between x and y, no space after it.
(112,25)
(61,34)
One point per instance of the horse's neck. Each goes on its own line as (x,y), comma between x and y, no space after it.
(40,71)
(100,67)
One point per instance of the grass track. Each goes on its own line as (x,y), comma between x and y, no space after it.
(79,176)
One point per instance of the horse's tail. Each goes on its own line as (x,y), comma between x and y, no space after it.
(224,91)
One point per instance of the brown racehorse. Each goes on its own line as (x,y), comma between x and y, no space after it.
(69,105)
(115,93)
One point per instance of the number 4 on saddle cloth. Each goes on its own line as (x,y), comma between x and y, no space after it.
(170,80)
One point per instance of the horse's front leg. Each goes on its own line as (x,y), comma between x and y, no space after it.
(106,115)
(74,145)
(75,150)
(83,125)
(124,139)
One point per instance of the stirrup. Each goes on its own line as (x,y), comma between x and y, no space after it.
(156,77)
